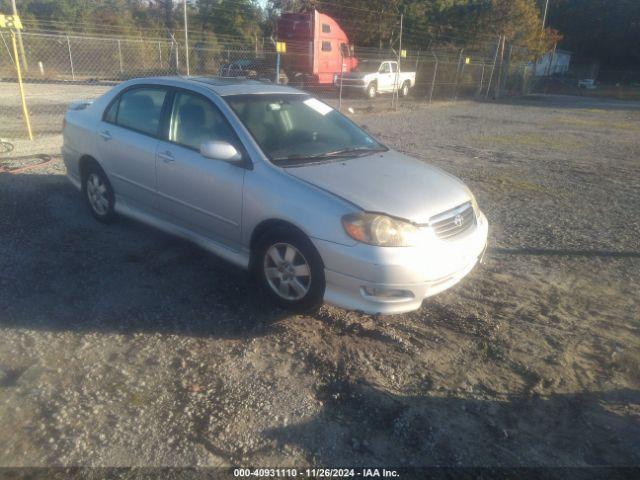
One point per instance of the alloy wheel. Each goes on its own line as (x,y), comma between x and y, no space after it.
(97,194)
(287,271)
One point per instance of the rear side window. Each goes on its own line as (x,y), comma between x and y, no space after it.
(326,46)
(140,109)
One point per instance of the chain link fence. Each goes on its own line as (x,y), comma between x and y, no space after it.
(59,68)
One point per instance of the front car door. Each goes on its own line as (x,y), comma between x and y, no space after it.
(384,77)
(128,142)
(200,194)
(394,76)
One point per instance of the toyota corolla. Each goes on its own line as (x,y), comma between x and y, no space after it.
(278,182)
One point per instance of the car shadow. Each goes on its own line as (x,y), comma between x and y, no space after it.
(362,425)
(62,270)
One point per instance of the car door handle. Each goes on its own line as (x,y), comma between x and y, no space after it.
(106,135)
(167,156)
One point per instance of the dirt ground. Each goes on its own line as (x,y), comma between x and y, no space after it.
(122,346)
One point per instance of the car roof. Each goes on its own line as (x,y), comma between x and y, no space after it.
(227,86)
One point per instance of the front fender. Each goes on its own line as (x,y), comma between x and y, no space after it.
(272,194)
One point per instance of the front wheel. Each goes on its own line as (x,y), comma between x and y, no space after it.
(372,90)
(290,270)
(283,78)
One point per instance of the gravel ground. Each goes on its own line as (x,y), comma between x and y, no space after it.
(123,346)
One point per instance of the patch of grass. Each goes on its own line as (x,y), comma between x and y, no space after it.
(599,123)
(622,92)
(563,143)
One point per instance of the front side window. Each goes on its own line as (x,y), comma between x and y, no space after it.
(326,46)
(385,68)
(294,128)
(140,109)
(194,119)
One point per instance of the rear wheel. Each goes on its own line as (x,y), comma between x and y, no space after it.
(405,89)
(289,270)
(98,194)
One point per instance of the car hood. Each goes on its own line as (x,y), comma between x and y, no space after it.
(388,182)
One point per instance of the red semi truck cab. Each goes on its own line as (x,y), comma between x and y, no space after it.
(316,45)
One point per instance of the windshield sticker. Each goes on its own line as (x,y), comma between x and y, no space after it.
(318,106)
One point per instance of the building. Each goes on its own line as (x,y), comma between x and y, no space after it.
(553,63)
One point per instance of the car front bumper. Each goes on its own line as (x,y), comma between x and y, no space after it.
(351,84)
(384,280)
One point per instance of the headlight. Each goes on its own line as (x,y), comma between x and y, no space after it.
(381,230)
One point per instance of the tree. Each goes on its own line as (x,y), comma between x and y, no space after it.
(241,19)
(603,30)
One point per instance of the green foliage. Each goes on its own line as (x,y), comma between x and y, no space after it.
(605,30)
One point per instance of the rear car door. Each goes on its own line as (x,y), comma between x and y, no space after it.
(195,192)
(128,140)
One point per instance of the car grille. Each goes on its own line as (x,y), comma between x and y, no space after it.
(453,222)
(350,81)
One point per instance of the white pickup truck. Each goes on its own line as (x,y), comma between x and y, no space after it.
(373,76)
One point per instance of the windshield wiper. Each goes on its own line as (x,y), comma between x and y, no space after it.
(341,153)
(350,151)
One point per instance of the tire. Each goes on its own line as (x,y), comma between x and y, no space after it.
(404,91)
(98,193)
(283,79)
(372,90)
(298,81)
(289,270)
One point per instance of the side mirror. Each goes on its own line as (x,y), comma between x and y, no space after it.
(219,150)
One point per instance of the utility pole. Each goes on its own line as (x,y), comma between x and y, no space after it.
(186,36)
(19,35)
(500,68)
(495,60)
(544,16)
(395,97)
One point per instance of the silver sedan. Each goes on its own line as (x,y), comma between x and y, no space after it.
(278,182)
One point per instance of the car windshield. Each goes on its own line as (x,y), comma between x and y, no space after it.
(293,128)
(368,66)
